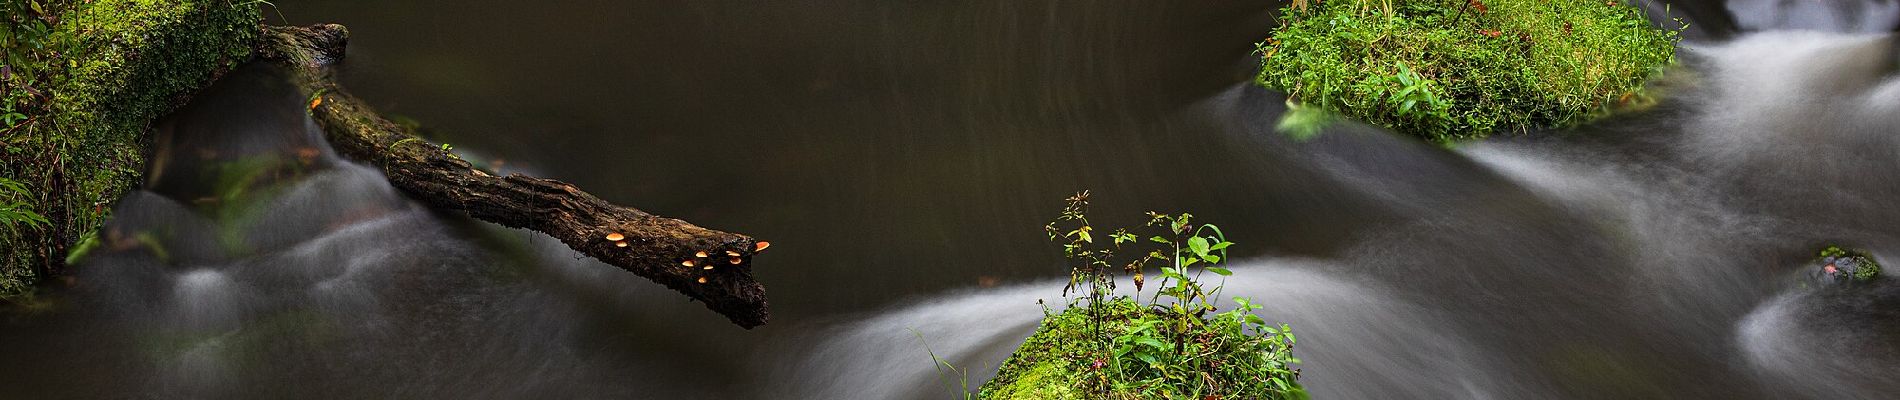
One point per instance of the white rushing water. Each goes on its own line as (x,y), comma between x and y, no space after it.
(1373,344)
(1783,140)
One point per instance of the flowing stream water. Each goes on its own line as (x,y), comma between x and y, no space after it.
(903,157)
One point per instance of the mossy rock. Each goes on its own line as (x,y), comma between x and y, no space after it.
(1065,359)
(1835,265)
(112,67)
(1043,381)
(1453,70)
(1045,366)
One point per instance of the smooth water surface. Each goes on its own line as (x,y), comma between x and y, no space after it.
(903,157)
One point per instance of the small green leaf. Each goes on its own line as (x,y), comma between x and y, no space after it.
(1220,271)
(1151,342)
(1147,358)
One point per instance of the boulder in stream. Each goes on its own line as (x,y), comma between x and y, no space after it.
(1836,265)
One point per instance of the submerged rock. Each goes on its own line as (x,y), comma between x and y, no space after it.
(1840,266)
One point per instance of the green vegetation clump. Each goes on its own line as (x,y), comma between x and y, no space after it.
(1057,362)
(1446,70)
(83,82)
(1839,265)
(1172,345)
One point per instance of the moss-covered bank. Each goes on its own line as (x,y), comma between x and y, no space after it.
(1447,70)
(84,82)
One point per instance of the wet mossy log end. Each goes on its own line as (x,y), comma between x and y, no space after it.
(711,266)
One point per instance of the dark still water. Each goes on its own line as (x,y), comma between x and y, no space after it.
(902,158)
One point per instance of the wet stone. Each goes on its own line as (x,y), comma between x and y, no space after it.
(1840,266)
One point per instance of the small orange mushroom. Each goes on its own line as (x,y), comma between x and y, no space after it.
(616,236)
(761,246)
(688,263)
(702,279)
(620,244)
(701,254)
(316,101)
(732,253)
(735,260)
(708,268)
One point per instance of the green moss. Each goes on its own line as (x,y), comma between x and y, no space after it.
(108,69)
(1058,362)
(1867,272)
(1041,381)
(1043,368)
(1445,70)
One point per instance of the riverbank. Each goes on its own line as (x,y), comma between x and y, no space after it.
(91,78)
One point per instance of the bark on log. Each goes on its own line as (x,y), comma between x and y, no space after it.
(711,266)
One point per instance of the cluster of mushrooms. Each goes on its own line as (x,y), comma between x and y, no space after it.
(733,257)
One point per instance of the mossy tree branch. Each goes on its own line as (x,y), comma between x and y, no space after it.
(711,266)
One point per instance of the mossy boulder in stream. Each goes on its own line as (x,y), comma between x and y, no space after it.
(1452,70)
(1175,344)
(1842,266)
(1048,365)
(84,82)
(1061,361)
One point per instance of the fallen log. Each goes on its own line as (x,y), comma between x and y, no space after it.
(711,266)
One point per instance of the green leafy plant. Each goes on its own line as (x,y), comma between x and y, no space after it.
(1453,70)
(31,58)
(14,210)
(1176,343)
